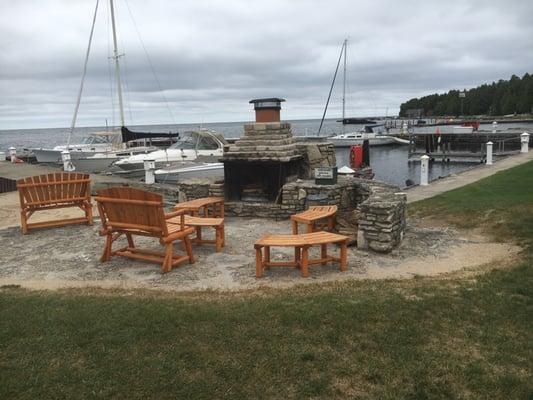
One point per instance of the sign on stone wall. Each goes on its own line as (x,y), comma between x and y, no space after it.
(324,173)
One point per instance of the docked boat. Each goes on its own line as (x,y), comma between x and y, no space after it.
(94,143)
(102,162)
(357,138)
(202,146)
(357,121)
(186,171)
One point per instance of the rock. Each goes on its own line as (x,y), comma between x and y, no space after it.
(313,154)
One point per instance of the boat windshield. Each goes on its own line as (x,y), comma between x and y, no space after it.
(193,141)
(95,140)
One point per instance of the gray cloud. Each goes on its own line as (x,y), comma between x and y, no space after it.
(211,57)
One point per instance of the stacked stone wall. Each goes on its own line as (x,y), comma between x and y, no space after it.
(382,220)
(372,212)
(315,155)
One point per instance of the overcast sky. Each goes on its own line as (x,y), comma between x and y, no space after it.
(212,57)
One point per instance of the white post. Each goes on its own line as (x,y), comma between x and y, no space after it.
(149,168)
(524,139)
(67,164)
(424,170)
(489,153)
(494,127)
(13,154)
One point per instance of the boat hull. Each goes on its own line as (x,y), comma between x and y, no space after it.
(47,155)
(54,156)
(92,164)
(377,141)
(175,175)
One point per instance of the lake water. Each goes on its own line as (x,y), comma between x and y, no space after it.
(389,163)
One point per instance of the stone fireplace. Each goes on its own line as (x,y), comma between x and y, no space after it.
(264,159)
(268,174)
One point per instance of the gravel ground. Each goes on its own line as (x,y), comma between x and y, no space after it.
(69,257)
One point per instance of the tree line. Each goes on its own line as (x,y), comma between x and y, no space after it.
(513,96)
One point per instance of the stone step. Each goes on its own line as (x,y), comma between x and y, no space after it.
(263,126)
(261,148)
(261,141)
(268,132)
(261,154)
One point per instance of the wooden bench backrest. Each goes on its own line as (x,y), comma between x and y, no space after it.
(129,209)
(59,187)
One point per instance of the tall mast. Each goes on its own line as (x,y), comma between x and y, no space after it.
(344,83)
(77,107)
(331,90)
(116,56)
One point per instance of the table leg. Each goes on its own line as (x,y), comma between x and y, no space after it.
(331,223)
(267,257)
(258,263)
(344,256)
(199,235)
(294,227)
(305,262)
(324,253)
(218,238)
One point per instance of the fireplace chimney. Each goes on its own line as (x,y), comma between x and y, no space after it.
(267,110)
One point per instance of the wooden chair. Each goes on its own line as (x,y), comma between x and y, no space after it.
(312,218)
(301,243)
(127,211)
(51,191)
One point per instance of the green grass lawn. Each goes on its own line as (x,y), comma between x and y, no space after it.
(426,338)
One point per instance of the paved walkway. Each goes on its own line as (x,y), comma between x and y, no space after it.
(455,181)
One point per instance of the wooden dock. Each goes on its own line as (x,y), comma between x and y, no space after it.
(467,147)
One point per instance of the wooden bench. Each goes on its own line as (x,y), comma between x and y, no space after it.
(57,190)
(200,222)
(205,206)
(301,244)
(312,217)
(127,211)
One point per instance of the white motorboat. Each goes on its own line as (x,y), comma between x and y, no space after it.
(187,171)
(102,162)
(355,138)
(202,145)
(97,142)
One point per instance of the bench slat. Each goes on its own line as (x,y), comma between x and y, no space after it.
(54,201)
(303,239)
(314,213)
(44,182)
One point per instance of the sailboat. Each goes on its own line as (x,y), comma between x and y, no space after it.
(354,137)
(100,150)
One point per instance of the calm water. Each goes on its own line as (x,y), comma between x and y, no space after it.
(388,162)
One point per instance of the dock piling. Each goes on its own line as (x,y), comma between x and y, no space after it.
(489,153)
(424,170)
(13,154)
(67,164)
(524,141)
(149,172)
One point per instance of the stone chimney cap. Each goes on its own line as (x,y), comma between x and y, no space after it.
(269,103)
